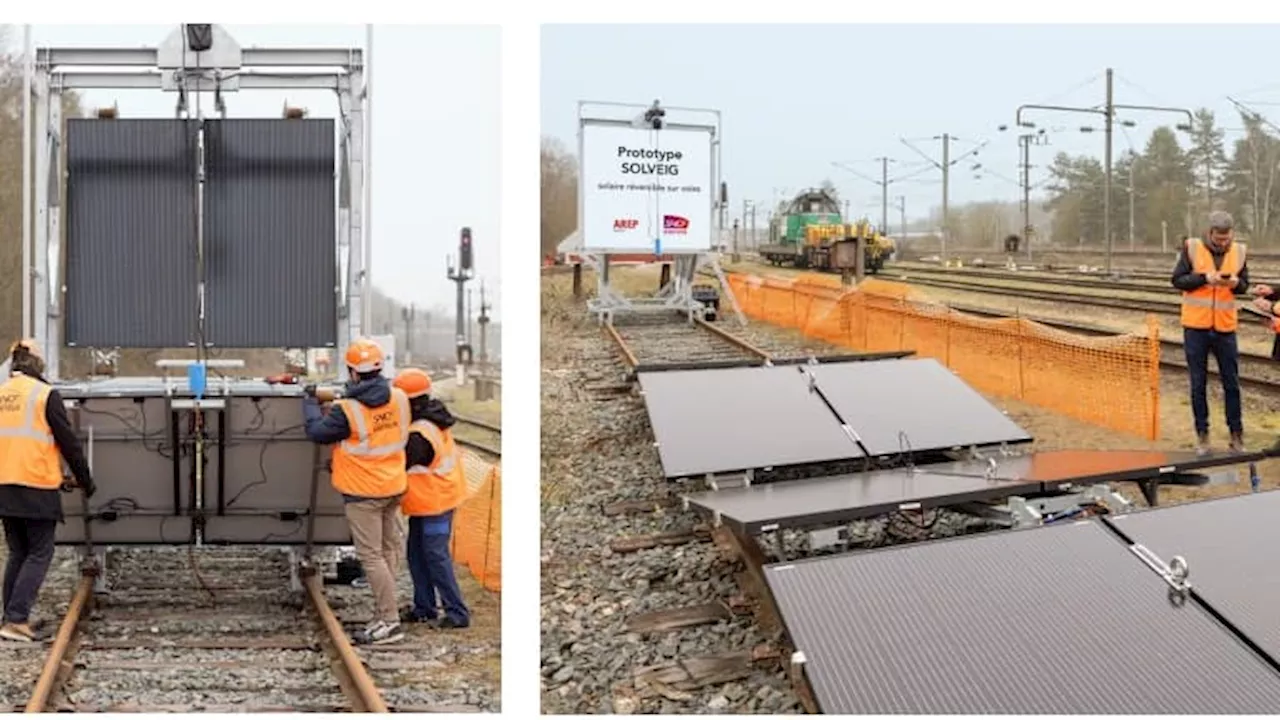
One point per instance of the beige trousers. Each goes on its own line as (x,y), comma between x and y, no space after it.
(377,529)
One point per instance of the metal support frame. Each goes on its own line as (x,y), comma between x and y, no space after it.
(677,294)
(170,67)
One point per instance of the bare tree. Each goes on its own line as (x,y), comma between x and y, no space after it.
(559,194)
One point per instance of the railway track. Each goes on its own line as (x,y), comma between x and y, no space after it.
(159,642)
(1123,280)
(221,630)
(1158,307)
(1257,371)
(657,341)
(479,435)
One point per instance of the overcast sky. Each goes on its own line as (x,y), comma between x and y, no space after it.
(796,98)
(436,142)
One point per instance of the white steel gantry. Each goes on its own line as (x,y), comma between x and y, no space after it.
(193,59)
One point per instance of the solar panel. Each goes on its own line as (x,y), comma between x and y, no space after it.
(1230,549)
(1056,468)
(1056,620)
(840,498)
(926,402)
(708,421)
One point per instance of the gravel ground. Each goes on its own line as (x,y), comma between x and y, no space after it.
(597,449)
(232,637)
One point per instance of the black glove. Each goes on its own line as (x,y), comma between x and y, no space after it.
(310,390)
(89,489)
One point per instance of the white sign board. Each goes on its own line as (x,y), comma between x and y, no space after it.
(388,345)
(646,190)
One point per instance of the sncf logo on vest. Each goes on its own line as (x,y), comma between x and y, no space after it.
(384,420)
(10,402)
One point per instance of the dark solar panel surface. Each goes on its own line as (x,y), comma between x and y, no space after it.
(1231,547)
(935,409)
(739,419)
(1055,468)
(1055,620)
(801,503)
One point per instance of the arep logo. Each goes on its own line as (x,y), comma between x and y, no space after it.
(625,224)
(675,225)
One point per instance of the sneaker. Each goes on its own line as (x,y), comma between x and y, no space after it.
(1202,444)
(1237,442)
(448,623)
(360,583)
(407,615)
(17,632)
(379,633)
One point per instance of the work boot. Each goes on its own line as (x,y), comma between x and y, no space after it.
(407,615)
(448,623)
(1237,442)
(17,632)
(379,633)
(1202,444)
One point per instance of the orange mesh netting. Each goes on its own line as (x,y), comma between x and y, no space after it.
(477,523)
(1112,381)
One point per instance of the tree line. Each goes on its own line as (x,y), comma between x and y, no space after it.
(1168,188)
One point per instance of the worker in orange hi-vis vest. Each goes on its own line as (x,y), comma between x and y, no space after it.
(437,486)
(368,428)
(35,436)
(1211,272)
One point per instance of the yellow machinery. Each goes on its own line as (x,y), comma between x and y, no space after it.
(818,237)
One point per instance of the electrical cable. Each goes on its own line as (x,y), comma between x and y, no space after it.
(297,526)
(1079,86)
(132,426)
(262,458)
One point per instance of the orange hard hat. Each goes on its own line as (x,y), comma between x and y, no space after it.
(31,345)
(415,382)
(364,355)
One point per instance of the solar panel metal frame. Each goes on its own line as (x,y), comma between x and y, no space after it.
(763,507)
(869,396)
(1228,544)
(680,424)
(1171,463)
(276,483)
(983,613)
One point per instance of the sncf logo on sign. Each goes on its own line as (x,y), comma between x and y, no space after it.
(624,224)
(675,225)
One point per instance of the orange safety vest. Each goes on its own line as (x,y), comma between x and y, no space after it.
(1208,307)
(28,454)
(441,486)
(370,462)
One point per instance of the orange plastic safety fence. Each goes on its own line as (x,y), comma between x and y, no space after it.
(477,523)
(1110,381)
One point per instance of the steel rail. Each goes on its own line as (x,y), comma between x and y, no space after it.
(627,354)
(352,675)
(478,446)
(478,423)
(732,339)
(57,663)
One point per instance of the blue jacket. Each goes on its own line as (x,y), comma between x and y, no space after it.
(332,428)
